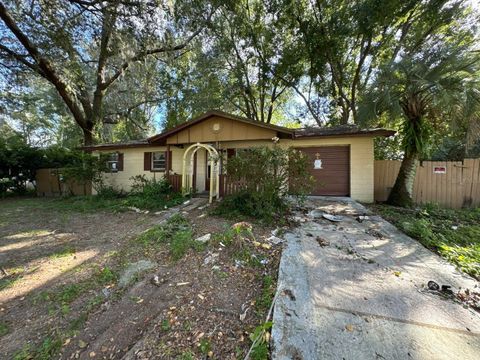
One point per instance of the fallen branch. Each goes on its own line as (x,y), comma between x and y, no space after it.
(259,336)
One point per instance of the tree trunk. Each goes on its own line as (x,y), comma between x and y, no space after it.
(402,191)
(87,135)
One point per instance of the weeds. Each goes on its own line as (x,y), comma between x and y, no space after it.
(3,329)
(176,232)
(46,351)
(67,251)
(454,234)
(264,300)
(186,356)
(260,338)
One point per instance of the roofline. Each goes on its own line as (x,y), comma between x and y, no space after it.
(365,133)
(113,146)
(220,114)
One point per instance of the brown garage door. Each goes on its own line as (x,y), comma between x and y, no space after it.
(330,166)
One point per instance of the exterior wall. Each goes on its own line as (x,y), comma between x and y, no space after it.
(228,130)
(132,166)
(361,159)
(361,162)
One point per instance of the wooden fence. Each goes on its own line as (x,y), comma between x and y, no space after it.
(453,184)
(176,181)
(48,183)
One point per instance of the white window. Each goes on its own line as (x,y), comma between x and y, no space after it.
(112,162)
(158,161)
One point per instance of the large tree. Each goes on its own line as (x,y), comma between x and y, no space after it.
(83,48)
(427,90)
(344,42)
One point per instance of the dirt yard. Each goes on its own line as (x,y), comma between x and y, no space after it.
(63,291)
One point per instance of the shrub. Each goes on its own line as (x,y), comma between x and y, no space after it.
(267,175)
(150,187)
(152,194)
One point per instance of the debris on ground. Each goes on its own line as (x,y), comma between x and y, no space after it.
(155,280)
(361,218)
(182,310)
(322,242)
(204,239)
(469,298)
(374,233)
(210,258)
(133,270)
(334,218)
(274,240)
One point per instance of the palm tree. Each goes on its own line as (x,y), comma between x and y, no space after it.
(421,90)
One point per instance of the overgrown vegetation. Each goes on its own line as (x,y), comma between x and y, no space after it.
(176,232)
(266,176)
(454,234)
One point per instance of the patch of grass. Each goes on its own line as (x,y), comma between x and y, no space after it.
(7,282)
(180,243)
(249,257)
(47,350)
(176,232)
(165,325)
(106,276)
(4,330)
(68,293)
(186,356)
(205,346)
(67,251)
(454,234)
(264,300)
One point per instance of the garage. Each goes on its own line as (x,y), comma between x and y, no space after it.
(330,166)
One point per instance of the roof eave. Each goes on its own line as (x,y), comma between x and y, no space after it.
(279,129)
(373,133)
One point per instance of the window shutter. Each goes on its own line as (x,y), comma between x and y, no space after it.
(147,161)
(120,161)
(230,153)
(168,161)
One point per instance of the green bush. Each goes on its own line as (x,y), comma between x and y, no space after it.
(267,176)
(152,194)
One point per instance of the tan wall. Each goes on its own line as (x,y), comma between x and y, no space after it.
(361,159)
(229,130)
(361,162)
(133,165)
(458,187)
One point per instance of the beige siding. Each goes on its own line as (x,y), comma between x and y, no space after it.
(361,162)
(132,166)
(225,130)
(361,159)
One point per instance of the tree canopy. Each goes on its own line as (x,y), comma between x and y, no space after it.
(89,71)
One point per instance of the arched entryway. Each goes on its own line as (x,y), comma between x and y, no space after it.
(187,169)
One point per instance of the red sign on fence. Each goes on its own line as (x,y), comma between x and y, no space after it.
(439,170)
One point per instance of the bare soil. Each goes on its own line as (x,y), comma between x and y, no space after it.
(57,300)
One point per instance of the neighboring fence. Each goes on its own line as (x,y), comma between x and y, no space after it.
(49,184)
(453,184)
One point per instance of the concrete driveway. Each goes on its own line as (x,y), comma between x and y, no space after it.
(357,290)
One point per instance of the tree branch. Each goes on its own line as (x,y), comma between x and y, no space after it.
(143,54)
(21,58)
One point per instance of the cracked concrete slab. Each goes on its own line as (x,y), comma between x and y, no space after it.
(352,290)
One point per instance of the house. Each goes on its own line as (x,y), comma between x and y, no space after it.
(341,157)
